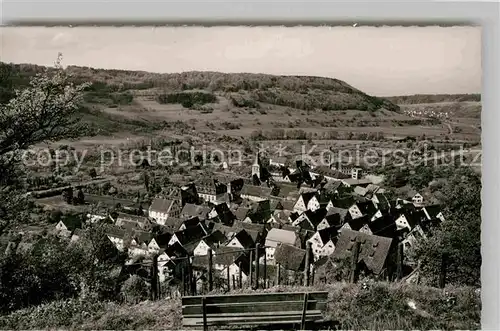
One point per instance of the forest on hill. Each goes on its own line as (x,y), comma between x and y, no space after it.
(299,92)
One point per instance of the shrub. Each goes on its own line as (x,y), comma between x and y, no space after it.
(57,314)
(124,98)
(242,101)
(134,289)
(187,99)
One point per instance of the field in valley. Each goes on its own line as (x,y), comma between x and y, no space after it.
(126,111)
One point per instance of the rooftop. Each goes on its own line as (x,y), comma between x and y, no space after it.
(276,236)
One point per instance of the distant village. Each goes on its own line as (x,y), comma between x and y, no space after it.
(283,209)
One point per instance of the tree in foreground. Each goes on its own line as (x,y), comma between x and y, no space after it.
(458,240)
(44,111)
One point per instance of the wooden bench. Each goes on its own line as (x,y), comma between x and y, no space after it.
(261,309)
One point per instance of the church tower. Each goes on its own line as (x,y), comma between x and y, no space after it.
(256,166)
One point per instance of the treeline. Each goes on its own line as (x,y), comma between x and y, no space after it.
(433,98)
(43,182)
(300,92)
(215,81)
(297,134)
(187,99)
(418,121)
(330,101)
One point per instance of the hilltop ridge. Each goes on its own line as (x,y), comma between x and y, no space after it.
(300,92)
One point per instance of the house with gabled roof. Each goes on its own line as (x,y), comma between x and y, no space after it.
(331,187)
(132,221)
(330,219)
(419,232)
(329,174)
(190,222)
(290,257)
(188,236)
(360,209)
(381,200)
(172,224)
(191,210)
(189,194)
(344,202)
(256,231)
(374,250)
(325,202)
(223,213)
(293,216)
(409,219)
(66,226)
(255,193)
(279,236)
(241,213)
(361,191)
(153,246)
(239,262)
(211,241)
(258,213)
(309,219)
(384,226)
(137,243)
(285,191)
(242,239)
(117,236)
(343,212)
(232,257)
(279,217)
(433,212)
(355,224)
(286,205)
(353,182)
(159,242)
(323,242)
(415,197)
(170,260)
(215,224)
(306,201)
(172,252)
(161,209)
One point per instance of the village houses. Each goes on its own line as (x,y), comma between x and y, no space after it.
(161,209)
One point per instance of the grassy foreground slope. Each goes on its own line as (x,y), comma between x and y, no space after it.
(374,306)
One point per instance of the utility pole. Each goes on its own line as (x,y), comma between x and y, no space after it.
(257,246)
(210,271)
(154,279)
(251,270)
(399,264)
(354,262)
(307,265)
(265,267)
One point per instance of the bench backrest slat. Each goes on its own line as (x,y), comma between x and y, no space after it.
(258,297)
(252,307)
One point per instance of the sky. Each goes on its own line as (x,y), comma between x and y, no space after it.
(381,61)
